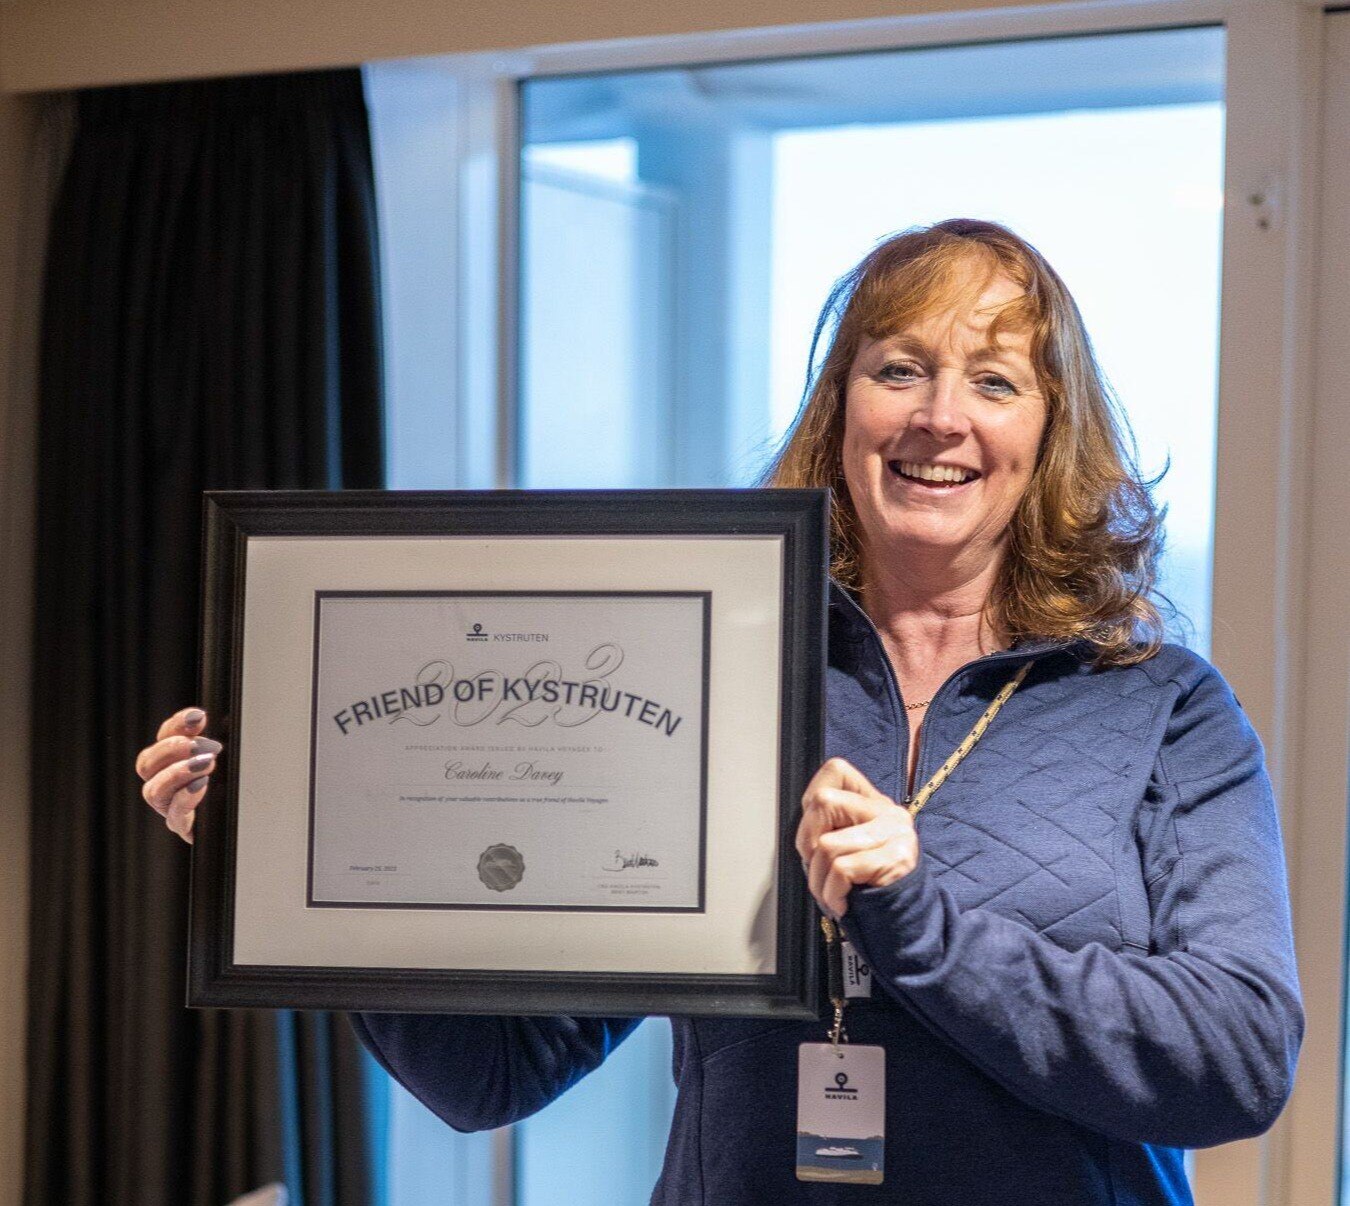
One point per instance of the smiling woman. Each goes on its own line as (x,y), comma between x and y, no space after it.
(1078,928)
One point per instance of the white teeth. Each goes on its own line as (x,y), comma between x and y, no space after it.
(935,473)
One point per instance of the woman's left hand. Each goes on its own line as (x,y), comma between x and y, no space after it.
(852,834)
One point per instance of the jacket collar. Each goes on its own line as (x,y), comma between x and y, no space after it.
(847,615)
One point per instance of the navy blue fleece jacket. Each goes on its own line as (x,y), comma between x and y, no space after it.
(1090,969)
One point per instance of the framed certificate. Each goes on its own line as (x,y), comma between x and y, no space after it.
(510,751)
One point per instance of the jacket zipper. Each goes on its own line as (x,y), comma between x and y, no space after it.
(897,707)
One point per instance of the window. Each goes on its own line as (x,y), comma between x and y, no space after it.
(681,228)
(678,229)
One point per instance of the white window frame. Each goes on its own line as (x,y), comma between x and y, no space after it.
(1269,594)
(1316,685)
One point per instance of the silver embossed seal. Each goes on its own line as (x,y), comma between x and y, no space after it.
(501,867)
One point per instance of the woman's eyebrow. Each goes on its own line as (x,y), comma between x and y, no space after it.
(988,351)
(993,352)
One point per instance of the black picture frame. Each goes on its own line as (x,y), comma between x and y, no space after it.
(232,519)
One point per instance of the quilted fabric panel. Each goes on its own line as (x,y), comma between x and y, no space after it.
(1036,821)
(860,711)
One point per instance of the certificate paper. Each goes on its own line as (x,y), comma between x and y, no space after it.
(510,750)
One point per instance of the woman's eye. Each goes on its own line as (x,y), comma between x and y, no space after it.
(898,366)
(905,370)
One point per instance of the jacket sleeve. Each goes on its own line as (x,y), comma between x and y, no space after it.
(1189,1046)
(476,1073)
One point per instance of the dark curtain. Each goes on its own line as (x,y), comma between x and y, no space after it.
(210,320)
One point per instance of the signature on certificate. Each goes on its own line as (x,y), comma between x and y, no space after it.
(626,862)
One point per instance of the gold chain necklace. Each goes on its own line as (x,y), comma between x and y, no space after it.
(926,702)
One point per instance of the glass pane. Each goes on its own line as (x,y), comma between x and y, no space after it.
(665,324)
(603,1141)
(595,386)
(429,1162)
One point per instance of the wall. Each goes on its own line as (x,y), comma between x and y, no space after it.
(72,43)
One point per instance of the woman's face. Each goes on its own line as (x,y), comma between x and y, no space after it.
(935,395)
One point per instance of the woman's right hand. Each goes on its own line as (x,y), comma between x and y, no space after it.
(177,768)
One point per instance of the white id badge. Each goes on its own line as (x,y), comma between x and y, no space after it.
(857,975)
(841,1107)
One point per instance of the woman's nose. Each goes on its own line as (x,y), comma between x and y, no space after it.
(943,410)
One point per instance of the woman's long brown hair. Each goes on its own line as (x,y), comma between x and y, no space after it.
(1083,548)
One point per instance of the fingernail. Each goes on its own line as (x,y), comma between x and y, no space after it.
(193,718)
(204,745)
(197,784)
(200,762)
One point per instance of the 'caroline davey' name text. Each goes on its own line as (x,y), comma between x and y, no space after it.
(594,696)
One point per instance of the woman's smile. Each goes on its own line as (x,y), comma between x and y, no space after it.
(934,479)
